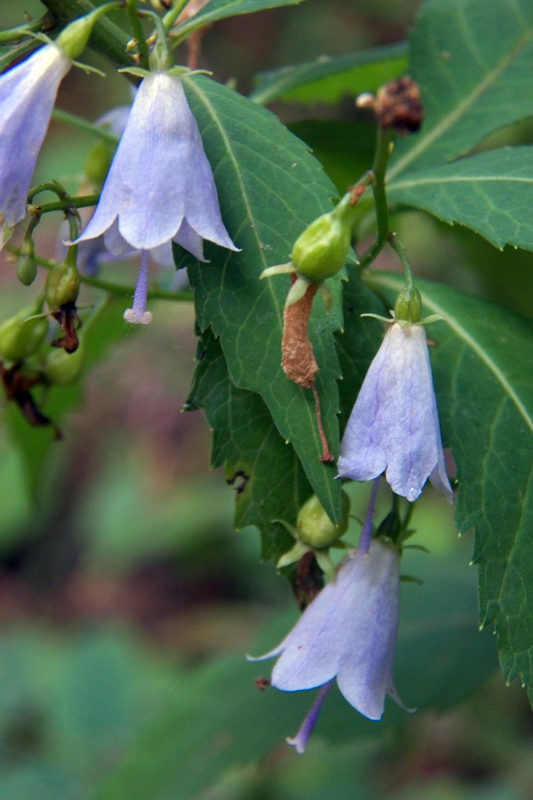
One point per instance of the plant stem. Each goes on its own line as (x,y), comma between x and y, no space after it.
(69,202)
(113,288)
(84,125)
(138,33)
(171,16)
(402,255)
(380,196)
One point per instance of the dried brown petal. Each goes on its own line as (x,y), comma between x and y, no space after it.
(398,106)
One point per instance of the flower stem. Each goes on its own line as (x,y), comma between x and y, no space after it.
(138,33)
(379,169)
(14,34)
(112,288)
(83,125)
(83,201)
(171,16)
(402,255)
(366,531)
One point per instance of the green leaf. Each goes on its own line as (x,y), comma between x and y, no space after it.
(36,444)
(270,188)
(267,477)
(492,193)
(482,366)
(220,9)
(473,61)
(332,142)
(328,80)
(219,718)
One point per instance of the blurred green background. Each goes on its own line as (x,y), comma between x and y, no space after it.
(127,601)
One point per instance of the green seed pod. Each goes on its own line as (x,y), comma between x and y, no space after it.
(321,250)
(26,264)
(63,368)
(21,337)
(98,162)
(62,285)
(408,305)
(315,527)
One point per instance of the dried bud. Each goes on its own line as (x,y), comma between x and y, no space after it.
(315,527)
(22,335)
(398,106)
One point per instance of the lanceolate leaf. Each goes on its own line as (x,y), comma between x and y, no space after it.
(482,370)
(219,9)
(473,61)
(265,473)
(270,188)
(492,193)
(328,80)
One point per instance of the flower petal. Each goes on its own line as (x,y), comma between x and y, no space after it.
(27,95)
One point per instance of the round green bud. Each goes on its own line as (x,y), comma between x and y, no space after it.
(315,527)
(98,162)
(320,251)
(408,305)
(26,264)
(63,368)
(61,286)
(21,337)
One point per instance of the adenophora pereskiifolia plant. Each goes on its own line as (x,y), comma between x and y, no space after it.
(348,632)
(160,186)
(27,96)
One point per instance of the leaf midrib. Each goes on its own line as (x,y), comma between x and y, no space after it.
(391,283)
(453,116)
(429,181)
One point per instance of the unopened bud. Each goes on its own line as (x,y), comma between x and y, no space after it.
(63,368)
(62,285)
(408,305)
(73,39)
(21,337)
(321,250)
(315,527)
(98,162)
(398,106)
(26,264)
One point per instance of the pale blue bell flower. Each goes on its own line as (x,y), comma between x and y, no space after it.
(160,185)
(348,631)
(394,425)
(27,95)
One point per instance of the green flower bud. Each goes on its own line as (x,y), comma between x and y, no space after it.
(98,162)
(61,286)
(21,337)
(321,250)
(26,264)
(73,39)
(315,527)
(408,305)
(63,368)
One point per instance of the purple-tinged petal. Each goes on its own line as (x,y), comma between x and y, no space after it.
(160,174)
(365,672)
(115,119)
(27,96)
(439,477)
(394,423)
(190,240)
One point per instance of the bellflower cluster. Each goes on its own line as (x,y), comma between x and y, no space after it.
(394,425)
(160,186)
(27,96)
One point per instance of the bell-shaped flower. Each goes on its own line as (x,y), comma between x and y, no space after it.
(160,185)
(27,96)
(348,631)
(394,425)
